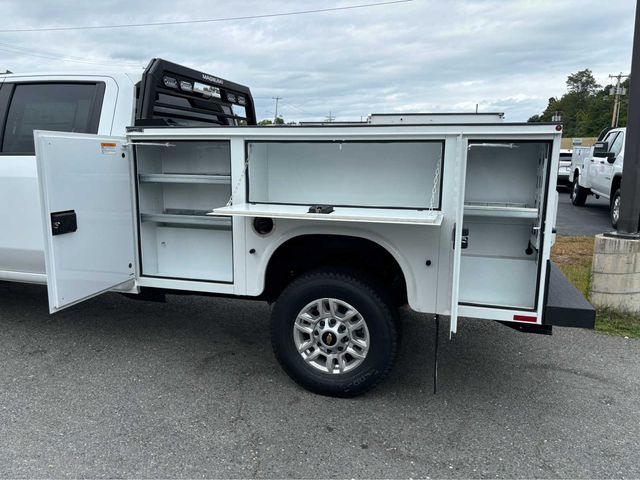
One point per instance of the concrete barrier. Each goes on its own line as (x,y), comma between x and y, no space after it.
(615,281)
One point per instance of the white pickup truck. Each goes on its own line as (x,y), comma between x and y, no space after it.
(597,171)
(103,104)
(335,225)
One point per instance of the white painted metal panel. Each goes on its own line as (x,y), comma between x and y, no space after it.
(383,174)
(76,172)
(501,314)
(459,193)
(340,214)
(189,253)
(503,282)
(434,118)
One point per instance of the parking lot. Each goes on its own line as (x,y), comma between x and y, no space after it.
(589,220)
(115,387)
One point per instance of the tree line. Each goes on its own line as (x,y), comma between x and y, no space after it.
(586,108)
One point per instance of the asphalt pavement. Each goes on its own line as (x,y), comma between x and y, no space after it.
(589,220)
(122,388)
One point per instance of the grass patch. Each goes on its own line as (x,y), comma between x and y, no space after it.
(574,255)
(618,323)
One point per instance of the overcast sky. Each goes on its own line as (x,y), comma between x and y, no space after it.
(420,56)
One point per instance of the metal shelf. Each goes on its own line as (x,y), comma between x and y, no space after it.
(512,210)
(218,223)
(183,178)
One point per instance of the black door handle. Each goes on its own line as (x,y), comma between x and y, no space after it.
(63,222)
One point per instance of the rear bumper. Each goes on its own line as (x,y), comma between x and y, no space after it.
(564,305)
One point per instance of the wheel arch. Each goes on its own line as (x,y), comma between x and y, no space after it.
(576,173)
(615,184)
(304,251)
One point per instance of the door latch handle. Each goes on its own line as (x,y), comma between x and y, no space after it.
(464,241)
(63,222)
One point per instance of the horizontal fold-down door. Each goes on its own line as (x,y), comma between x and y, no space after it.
(339,214)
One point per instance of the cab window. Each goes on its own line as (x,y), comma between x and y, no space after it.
(62,107)
(616,147)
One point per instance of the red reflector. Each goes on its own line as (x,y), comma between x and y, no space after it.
(558,128)
(525,318)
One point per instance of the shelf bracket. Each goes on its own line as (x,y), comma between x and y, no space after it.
(150,144)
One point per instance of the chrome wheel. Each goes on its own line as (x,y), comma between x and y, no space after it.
(331,335)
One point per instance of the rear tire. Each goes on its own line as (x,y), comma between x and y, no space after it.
(615,209)
(334,333)
(577,193)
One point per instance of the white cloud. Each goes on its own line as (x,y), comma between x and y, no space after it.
(426,55)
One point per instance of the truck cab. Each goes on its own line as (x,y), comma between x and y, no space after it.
(102,104)
(598,171)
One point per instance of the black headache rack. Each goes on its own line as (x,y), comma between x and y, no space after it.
(173,95)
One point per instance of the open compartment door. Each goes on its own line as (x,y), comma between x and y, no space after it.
(458,231)
(87,214)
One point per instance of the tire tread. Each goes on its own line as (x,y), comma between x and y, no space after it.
(366,286)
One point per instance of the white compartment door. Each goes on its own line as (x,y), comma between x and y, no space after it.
(87,214)
(459,189)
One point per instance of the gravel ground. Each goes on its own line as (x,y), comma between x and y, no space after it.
(121,388)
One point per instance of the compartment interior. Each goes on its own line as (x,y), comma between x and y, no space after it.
(503,199)
(177,186)
(185,157)
(393,174)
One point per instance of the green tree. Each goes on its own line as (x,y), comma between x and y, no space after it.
(585,108)
(266,121)
(582,82)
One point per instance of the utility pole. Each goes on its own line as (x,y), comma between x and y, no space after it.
(617,91)
(630,188)
(275,117)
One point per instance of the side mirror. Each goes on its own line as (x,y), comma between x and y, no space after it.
(600,149)
(611,157)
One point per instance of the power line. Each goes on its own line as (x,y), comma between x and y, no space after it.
(210,20)
(297,108)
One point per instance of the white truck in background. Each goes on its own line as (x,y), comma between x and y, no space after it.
(564,167)
(103,104)
(597,170)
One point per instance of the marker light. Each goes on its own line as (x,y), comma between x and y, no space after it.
(186,86)
(170,82)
